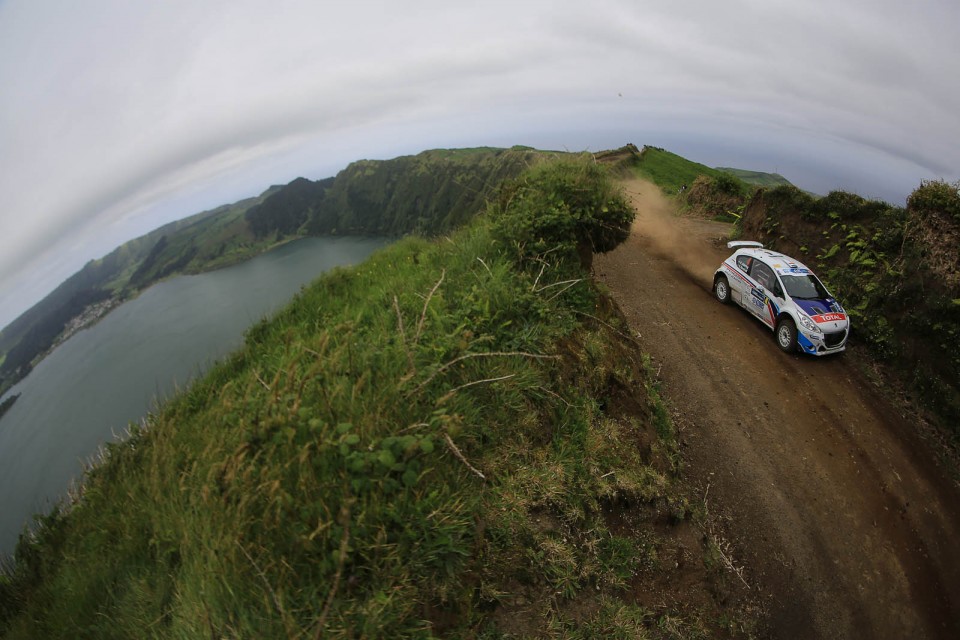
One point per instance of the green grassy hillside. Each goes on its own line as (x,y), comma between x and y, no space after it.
(213,241)
(669,171)
(456,438)
(757,178)
(700,190)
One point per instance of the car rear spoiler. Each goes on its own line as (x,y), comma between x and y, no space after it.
(736,244)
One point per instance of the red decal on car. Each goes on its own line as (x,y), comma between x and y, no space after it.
(828,317)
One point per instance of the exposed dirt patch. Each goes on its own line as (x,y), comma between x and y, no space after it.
(845,525)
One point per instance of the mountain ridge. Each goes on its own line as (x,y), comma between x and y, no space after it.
(427,198)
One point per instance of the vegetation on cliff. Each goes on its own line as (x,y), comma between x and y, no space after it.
(896,269)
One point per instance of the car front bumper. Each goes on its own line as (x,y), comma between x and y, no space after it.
(822,344)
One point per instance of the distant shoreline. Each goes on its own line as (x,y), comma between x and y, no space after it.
(6,404)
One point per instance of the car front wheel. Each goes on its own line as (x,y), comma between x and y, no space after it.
(721,289)
(786,333)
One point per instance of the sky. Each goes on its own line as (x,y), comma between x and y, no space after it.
(117,117)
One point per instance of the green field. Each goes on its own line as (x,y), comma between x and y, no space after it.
(669,171)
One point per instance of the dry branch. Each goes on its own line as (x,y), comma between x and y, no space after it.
(403,333)
(426,303)
(461,458)
(453,391)
(489,354)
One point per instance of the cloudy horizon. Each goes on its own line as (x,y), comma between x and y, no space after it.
(119,117)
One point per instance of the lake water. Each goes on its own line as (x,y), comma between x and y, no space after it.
(94,384)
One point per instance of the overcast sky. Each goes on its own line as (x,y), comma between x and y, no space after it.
(118,116)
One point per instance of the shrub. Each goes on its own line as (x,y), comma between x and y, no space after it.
(570,207)
(728,184)
(936,196)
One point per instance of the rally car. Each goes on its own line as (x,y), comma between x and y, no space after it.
(786,296)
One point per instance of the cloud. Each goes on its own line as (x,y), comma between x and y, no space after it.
(119,116)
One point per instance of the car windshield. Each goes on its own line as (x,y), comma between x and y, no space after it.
(805,287)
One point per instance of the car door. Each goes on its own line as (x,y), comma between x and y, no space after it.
(740,286)
(766,286)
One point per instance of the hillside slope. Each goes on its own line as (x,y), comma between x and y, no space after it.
(454,438)
(757,178)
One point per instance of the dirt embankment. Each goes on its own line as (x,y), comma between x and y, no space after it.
(845,524)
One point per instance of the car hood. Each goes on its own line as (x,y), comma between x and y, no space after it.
(824,311)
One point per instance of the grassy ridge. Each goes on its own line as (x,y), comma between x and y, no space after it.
(757,178)
(427,444)
(669,171)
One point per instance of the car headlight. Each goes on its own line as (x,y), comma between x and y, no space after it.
(808,324)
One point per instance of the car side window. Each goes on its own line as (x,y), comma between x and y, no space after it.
(744,263)
(762,274)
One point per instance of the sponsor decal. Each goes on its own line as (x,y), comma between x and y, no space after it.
(763,303)
(732,270)
(828,317)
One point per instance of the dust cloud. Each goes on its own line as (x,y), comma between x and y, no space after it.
(690,244)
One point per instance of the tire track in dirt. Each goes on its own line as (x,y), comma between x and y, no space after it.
(847,527)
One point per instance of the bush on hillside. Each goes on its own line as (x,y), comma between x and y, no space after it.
(717,198)
(569,207)
(728,184)
(936,196)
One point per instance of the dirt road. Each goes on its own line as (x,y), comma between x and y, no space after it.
(844,523)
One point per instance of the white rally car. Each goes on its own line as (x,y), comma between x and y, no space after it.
(786,296)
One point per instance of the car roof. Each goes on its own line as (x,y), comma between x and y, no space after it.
(781,263)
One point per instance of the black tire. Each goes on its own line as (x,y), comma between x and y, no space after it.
(721,289)
(786,335)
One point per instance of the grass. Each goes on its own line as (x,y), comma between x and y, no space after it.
(426,444)
(758,178)
(669,171)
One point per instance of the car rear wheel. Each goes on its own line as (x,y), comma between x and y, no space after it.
(721,289)
(786,333)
